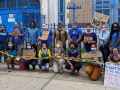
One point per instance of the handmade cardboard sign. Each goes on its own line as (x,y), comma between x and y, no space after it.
(88,38)
(112,75)
(99,19)
(44,36)
(90,54)
(28,53)
(15,33)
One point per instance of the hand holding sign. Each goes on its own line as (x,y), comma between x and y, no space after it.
(15,33)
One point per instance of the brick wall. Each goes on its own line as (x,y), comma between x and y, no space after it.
(83,15)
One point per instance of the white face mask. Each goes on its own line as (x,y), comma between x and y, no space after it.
(57,45)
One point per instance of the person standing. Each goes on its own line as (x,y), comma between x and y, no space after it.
(104,41)
(61,34)
(17,40)
(89,34)
(49,40)
(75,34)
(32,36)
(4,37)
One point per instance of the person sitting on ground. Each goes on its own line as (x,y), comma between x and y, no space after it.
(44,53)
(30,61)
(58,62)
(73,53)
(10,58)
(94,70)
(115,58)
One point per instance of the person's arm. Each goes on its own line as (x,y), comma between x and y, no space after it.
(39,55)
(107,36)
(17,53)
(27,36)
(40,34)
(55,58)
(110,46)
(97,32)
(118,41)
(69,63)
(22,33)
(52,40)
(34,54)
(78,57)
(10,33)
(80,35)
(69,36)
(55,33)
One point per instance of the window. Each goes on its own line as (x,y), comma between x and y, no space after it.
(61,10)
(34,3)
(11,3)
(2,3)
(23,3)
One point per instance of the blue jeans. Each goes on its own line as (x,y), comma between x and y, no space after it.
(79,48)
(43,64)
(18,47)
(32,62)
(2,48)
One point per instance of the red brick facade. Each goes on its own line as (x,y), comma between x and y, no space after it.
(83,15)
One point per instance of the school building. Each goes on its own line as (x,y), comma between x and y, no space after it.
(52,11)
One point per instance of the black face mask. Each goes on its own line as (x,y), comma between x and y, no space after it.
(32,26)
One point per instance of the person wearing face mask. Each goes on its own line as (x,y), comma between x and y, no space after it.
(75,34)
(12,52)
(30,61)
(4,37)
(72,64)
(32,36)
(115,58)
(58,62)
(50,39)
(17,40)
(44,53)
(104,41)
(114,37)
(94,70)
(61,34)
(91,34)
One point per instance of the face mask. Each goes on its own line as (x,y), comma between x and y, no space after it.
(72,49)
(17,26)
(115,53)
(10,46)
(88,29)
(93,49)
(44,48)
(103,30)
(44,28)
(58,45)
(74,27)
(115,28)
(59,26)
(28,47)
(32,26)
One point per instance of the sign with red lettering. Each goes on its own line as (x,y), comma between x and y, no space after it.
(99,19)
(112,75)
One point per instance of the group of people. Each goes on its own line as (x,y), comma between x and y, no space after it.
(109,42)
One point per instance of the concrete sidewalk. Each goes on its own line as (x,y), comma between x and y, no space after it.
(32,80)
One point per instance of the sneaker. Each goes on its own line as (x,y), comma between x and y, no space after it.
(81,69)
(12,66)
(8,70)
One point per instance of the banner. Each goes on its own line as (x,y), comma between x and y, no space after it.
(15,33)
(99,19)
(90,54)
(112,75)
(88,38)
(44,36)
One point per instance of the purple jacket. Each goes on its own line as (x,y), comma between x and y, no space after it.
(20,37)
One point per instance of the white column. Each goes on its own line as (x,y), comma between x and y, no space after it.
(44,9)
(66,12)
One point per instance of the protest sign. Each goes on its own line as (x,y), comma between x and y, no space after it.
(15,33)
(28,53)
(44,36)
(112,75)
(99,19)
(90,54)
(88,38)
